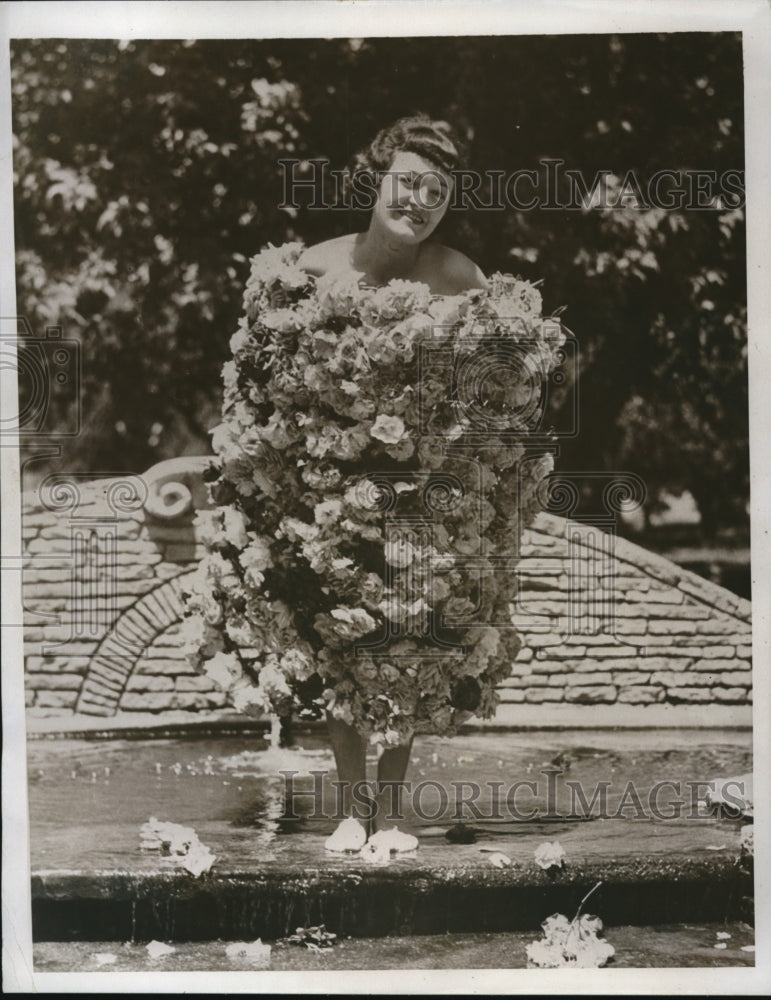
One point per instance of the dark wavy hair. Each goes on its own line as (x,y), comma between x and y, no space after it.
(435,141)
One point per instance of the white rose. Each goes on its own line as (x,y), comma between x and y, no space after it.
(235,527)
(239,340)
(223,668)
(390,430)
(399,553)
(550,854)
(328,511)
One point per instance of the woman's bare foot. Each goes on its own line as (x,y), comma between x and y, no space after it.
(349,837)
(372,855)
(395,841)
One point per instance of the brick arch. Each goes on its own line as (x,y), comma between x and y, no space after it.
(117,654)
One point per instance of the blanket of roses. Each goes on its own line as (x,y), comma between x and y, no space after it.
(373,475)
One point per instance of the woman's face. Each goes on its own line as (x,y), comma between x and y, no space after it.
(413,197)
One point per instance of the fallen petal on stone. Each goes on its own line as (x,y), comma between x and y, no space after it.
(178,845)
(736,793)
(564,945)
(550,854)
(315,938)
(157,949)
(199,860)
(747,840)
(256,953)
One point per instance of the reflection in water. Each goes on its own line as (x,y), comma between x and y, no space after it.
(88,799)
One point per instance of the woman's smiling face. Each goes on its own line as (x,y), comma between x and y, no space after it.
(413,197)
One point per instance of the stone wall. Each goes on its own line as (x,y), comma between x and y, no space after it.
(604,622)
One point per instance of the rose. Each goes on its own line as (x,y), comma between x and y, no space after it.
(401,451)
(570,943)
(344,625)
(248,699)
(234,527)
(399,552)
(224,669)
(349,389)
(550,854)
(371,590)
(328,512)
(390,430)
(256,558)
(281,320)
(338,294)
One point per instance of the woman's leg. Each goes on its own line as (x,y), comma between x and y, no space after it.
(391,771)
(350,750)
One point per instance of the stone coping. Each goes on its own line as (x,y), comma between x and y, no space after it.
(525,717)
(423,897)
(655,565)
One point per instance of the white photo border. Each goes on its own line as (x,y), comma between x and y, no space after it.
(349,18)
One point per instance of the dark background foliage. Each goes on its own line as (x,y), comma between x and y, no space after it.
(147,174)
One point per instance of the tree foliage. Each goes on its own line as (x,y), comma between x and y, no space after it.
(148,173)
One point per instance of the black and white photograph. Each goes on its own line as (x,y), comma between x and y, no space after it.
(385,504)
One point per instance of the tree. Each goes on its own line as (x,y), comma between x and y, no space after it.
(148,173)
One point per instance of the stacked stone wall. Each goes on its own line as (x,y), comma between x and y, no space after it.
(603,621)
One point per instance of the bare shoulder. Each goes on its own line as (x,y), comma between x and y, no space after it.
(458,273)
(330,255)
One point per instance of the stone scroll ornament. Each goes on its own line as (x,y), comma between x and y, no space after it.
(374,471)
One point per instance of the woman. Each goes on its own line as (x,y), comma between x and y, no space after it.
(413,162)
